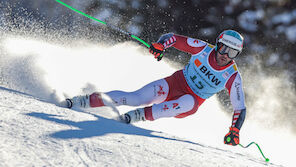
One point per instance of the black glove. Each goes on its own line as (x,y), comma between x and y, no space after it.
(157,50)
(232,137)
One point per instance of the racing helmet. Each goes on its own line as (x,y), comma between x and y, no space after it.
(229,42)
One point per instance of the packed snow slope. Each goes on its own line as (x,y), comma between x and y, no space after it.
(36,73)
(35,133)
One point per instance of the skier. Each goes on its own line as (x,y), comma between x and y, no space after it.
(210,70)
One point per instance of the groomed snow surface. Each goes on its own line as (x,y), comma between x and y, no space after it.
(36,132)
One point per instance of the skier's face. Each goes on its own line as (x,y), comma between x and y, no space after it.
(222,60)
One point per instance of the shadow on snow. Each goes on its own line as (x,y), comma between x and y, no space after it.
(99,127)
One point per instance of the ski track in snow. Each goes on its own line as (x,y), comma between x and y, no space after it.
(35,132)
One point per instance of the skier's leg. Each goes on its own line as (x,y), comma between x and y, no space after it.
(184,105)
(154,92)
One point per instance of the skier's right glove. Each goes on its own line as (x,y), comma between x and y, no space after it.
(157,50)
(232,137)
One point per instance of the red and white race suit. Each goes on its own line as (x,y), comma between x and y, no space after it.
(180,94)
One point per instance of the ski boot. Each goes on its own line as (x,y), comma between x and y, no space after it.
(78,101)
(86,101)
(134,116)
(94,100)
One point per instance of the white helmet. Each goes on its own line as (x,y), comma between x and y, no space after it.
(231,39)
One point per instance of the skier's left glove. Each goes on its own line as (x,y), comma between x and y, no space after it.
(157,50)
(232,137)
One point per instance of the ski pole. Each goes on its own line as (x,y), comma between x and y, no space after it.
(266,159)
(110,26)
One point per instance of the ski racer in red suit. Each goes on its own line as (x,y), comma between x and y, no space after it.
(210,70)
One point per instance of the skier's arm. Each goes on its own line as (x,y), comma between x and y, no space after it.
(235,89)
(234,86)
(182,43)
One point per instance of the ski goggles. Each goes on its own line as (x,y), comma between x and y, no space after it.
(231,53)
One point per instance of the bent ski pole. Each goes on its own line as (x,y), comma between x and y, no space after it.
(108,25)
(266,159)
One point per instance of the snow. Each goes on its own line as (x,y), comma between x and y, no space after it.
(134,29)
(135,4)
(35,132)
(291,33)
(286,18)
(163,3)
(207,31)
(103,15)
(248,19)
(273,59)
